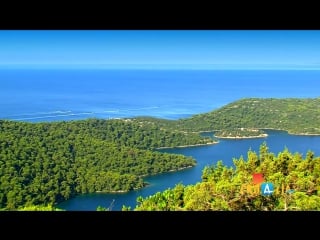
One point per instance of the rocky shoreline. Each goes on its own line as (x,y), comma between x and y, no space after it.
(191,145)
(243,137)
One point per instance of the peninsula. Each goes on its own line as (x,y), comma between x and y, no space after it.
(48,162)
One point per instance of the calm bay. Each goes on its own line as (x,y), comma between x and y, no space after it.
(225,150)
(64,94)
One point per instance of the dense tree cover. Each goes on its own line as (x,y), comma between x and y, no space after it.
(44,163)
(39,208)
(296,181)
(151,133)
(239,133)
(295,115)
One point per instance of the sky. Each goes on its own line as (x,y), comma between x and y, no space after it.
(194,49)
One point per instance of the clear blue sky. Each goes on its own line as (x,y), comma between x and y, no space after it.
(207,49)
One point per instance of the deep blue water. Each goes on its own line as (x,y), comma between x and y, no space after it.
(226,151)
(54,95)
(51,95)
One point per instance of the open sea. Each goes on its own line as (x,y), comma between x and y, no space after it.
(54,95)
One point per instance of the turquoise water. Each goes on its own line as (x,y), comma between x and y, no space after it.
(226,150)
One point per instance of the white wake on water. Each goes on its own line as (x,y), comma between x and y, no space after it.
(114,113)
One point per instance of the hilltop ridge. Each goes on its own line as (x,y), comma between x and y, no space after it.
(294,115)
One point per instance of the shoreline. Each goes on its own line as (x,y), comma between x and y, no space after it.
(191,145)
(305,134)
(263,135)
(123,191)
(290,133)
(179,169)
(146,184)
(244,137)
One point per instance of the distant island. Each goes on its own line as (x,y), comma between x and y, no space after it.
(298,116)
(48,162)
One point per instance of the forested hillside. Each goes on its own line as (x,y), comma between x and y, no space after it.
(44,163)
(296,182)
(295,115)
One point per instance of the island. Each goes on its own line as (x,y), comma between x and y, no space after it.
(45,163)
(298,116)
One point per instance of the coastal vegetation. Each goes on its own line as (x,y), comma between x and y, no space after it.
(240,133)
(295,181)
(294,115)
(45,163)
(249,117)
(42,164)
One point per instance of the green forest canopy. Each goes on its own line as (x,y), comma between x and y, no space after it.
(45,163)
(296,183)
(295,115)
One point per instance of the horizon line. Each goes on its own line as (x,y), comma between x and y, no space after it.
(151,66)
